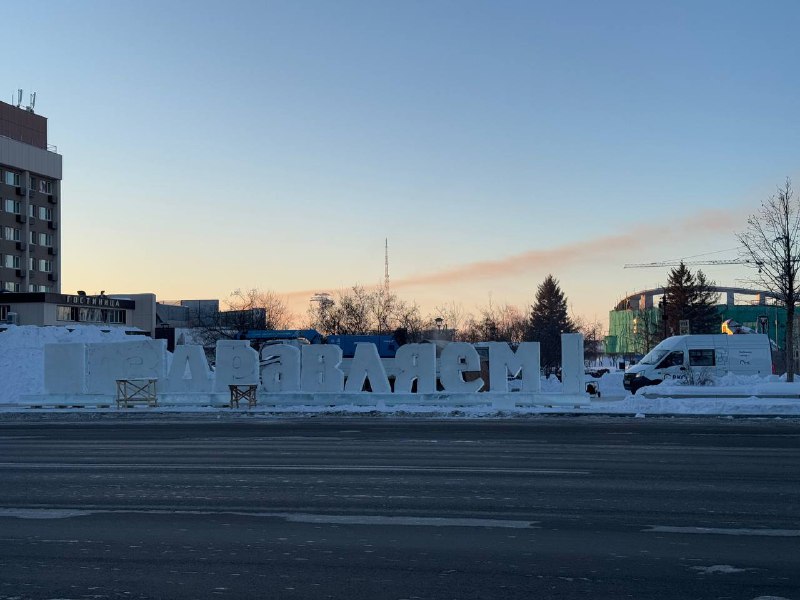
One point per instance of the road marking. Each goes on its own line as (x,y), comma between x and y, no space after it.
(724,531)
(43,513)
(370,468)
(405,521)
(727,569)
(66,513)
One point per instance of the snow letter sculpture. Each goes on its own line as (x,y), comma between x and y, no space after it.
(504,361)
(280,368)
(457,358)
(191,361)
(573,377)
(107,362)
(415,362)
(65,368)
(237,364)
(367,365)
(321,371)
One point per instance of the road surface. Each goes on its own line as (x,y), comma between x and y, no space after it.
(364,508)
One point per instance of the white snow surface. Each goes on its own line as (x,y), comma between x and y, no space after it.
(22,373)
(22,353)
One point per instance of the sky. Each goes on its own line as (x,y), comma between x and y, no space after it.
(277,145)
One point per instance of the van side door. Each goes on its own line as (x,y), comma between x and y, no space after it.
(702,364)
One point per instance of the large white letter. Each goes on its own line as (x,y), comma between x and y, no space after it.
(457,358)
(237,364)
(573,375)
(367,365)
(191,360)
(108,361)
(321,371)
(65,368)
(280,368)
(415,362)
(503,360)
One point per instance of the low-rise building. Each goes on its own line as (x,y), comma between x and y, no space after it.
(135,312)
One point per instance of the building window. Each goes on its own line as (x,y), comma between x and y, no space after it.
(4,310)
(11,206)
(12,178)
(44,288)
(10,286)
(11,261)
(45,239)
(45,213)
(32,211)
(46,266)
(46,187)
(31,264)
(33,237)
(11,234)
(91,315)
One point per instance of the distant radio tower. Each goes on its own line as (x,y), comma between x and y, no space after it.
(386,265)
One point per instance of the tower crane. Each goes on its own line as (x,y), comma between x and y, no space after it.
(692,263)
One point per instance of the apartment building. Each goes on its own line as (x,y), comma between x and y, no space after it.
(30,204)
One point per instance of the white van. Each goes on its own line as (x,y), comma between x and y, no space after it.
(691,357)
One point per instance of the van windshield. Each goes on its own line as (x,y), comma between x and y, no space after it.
(653,357)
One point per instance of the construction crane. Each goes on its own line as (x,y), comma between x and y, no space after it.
(692,263)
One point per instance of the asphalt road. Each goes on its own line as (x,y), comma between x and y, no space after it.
(367,508)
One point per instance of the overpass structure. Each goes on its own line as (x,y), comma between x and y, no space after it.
(644,299)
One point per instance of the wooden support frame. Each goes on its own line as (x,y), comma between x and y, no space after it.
(132,391)
(243,392)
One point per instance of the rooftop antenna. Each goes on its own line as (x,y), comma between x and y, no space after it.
(32,104)
(19,97)
(386,265)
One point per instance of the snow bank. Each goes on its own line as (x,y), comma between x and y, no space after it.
(22,353)
(771,386)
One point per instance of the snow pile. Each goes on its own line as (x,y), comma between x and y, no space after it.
(770,386)
(22,353)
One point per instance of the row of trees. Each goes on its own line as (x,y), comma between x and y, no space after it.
(377,311)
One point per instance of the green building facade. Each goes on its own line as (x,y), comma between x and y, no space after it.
(633,332)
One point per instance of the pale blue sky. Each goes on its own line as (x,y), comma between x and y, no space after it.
(209,146)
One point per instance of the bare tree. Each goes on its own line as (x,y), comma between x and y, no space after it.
(276,311)
(244,310)
(409,319)
(452,316)
(593,336)
(384,308)
(771,245)
(360,311)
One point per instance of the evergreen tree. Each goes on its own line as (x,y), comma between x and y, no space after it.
(689,297)
(548,320)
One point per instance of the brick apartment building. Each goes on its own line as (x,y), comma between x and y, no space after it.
(30,204)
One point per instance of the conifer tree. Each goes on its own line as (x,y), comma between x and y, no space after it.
(689,297)
(548,320)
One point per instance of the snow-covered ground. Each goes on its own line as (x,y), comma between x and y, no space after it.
(22,374)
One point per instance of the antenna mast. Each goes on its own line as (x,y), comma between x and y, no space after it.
(386,265)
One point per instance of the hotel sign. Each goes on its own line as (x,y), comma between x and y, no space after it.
(96,301)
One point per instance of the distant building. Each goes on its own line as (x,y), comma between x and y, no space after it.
(202,322)
(135,312)
(30,204)
(636,324)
